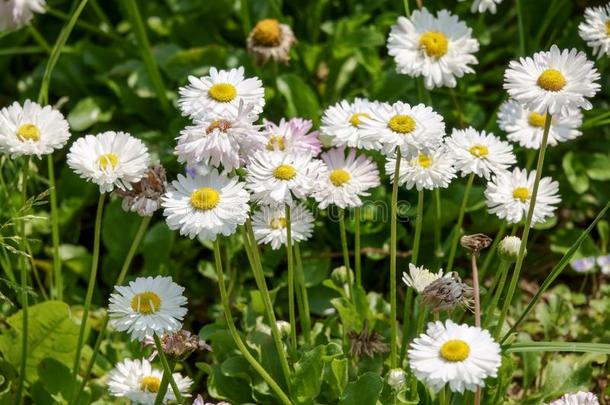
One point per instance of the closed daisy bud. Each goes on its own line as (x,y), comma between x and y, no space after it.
(447,293)
(269,39)
(482,6)
(145,195)
(396,378)
(284,327)
(476,242)
(340,276)
(508,249)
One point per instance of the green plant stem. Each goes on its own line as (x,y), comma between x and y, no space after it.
(405,324)
(245,17)
(407,8)
(419,326)
(39,38)
(492,250)
(357,253)
(418,225)
(91,285)
(304,315)
(526,228)
(393,242)
(126,265)
(499,282)
(261,283)
(457,232)
(149,61)
(438,247)
(164,385)
(345,251)
(24,284)
(289,258)
(521,29)
(167,371)
(224,299)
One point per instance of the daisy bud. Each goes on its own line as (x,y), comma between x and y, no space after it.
(396,378)
(476,242)
(270,40)
(284,327)
(340,276)
(509,247)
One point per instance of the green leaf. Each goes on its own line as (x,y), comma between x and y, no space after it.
(51,334)
(524,347)
(86,113)
(308,376)
(338,375)
(365,390)
(301,100)
(575,172)
(598,166)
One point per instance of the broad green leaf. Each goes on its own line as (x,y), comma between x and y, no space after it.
(307,378)
(598,166)
(86,113)
(301,100)
(365,390)
(575,172)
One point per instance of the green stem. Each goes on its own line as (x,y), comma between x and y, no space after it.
(492,250)
(24,285)
(152,69)
(304,315)
(418,225)
(457,232)
(521,29)
(39,38)
(438,247)
(405,324)
(167,371)
(499,282)
(393,242)
(419,326)
(245,17)
(224,299)
(526,229)
(291,313)
(91,285)
(357,253)
(407,8)
(345,251)
(163,387)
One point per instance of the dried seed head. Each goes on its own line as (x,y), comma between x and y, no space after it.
(476,242)
(509,247)
(368,342)
(447,293)
(145,195)
(179,344)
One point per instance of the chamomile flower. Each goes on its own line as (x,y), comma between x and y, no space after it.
(482,6)
(147,306)
(32,129)
(527,127)
(578,398)
(17,13)
(110,159)
(220,139)
(438,48)
(425,171)
(292,136)
(347,179)
(595,30)
(554,81)
(139,382)
(412,129)
(508,195)
(343,123)
(277,178)
(269,39)
(479,152)
(419,278)
(205,206)
(462,356)
(221,91)
(269,225)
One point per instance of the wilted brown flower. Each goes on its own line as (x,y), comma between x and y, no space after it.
(270,40)
(367,342)
(447,293)
(179,344)
(476,242)
(145,195)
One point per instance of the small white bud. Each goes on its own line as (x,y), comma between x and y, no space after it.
(509,247)
(396,378)
(284,327)
(340,276)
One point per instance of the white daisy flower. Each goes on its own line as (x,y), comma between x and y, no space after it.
(438,48)
(479,152)
(579,398)
(32,129)
(205,206)
(147,306)
(347,179)
(292,136)
(110,159)
(137,381)
(554,81)
(461,355)
(508,196)
(269,225)
(17,13)
(277,178)
(221,91)
(482,6)
(425,171)
(413,129)
(419,278)
(343,122)
(220,139)
(595,30)
(527,127)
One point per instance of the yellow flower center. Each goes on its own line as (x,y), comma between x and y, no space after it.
(222,92)
(339,177)
(279,223)
(205,198)
(284,172)
(276,142)
(434,43)
(551,80)
(455,350)
(28,132)
(424,160)
(267,32)
(355,118)
(146,302)
(536,120)
(521,193)
(479,151)
(608,27)
(107,159)
(402,124)
(150,384)
(222,125)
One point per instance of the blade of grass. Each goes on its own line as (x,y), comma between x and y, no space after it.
(528,347)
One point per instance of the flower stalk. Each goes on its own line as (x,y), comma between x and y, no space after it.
(393,242)
(289,258)
(457,232)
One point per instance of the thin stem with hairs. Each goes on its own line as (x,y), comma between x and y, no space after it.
(345,250)
(457,231)
(393,242)
(289,258)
